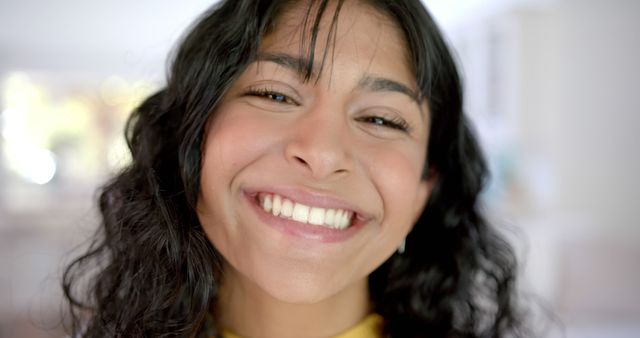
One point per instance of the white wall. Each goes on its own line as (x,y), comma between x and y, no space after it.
(553,87)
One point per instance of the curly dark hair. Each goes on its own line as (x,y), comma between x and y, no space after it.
(152,272)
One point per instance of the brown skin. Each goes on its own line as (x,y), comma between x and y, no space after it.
(320,140)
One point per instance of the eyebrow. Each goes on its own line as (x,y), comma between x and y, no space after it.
(300,65)
(378,84)
(303,67)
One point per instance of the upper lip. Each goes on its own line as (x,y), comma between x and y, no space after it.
(311,198)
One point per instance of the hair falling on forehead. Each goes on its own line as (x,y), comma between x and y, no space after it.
(331,36)
(158,274)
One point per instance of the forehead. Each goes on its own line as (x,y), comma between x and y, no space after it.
(354,31)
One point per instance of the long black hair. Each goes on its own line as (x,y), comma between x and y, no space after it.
(151,271)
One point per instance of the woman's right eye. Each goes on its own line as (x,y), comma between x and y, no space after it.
(271,95)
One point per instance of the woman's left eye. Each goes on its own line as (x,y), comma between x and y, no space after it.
(393,123)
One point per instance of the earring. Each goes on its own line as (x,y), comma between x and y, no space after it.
(402,246)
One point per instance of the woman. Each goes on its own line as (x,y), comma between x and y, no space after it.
(306,172)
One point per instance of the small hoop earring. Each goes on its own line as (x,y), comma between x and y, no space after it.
(402,246)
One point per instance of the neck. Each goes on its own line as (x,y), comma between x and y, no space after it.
(246,310)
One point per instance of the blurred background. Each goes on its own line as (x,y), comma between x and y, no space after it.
(552,86)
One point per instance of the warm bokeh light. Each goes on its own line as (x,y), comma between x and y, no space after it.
(43,126)
(36,165)
(26,130)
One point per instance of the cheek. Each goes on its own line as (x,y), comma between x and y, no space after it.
(236,138)
(396,174)
(232,143)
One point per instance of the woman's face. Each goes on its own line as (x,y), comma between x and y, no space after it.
(338,161)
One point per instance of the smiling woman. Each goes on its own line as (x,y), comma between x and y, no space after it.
(307,172)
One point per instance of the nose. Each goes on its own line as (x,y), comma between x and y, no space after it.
(319,145)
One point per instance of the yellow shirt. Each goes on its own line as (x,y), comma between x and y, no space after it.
(370,327)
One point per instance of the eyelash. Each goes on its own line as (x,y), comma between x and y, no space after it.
(269,94)
(393,123)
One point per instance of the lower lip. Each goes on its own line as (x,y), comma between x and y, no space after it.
(302,230)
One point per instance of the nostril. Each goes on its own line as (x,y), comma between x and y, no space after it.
(299,159)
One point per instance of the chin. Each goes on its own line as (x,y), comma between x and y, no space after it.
(298,287)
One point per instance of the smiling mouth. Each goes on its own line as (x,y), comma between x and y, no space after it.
(285,208)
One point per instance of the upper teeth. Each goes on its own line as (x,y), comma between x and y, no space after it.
(285,208)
